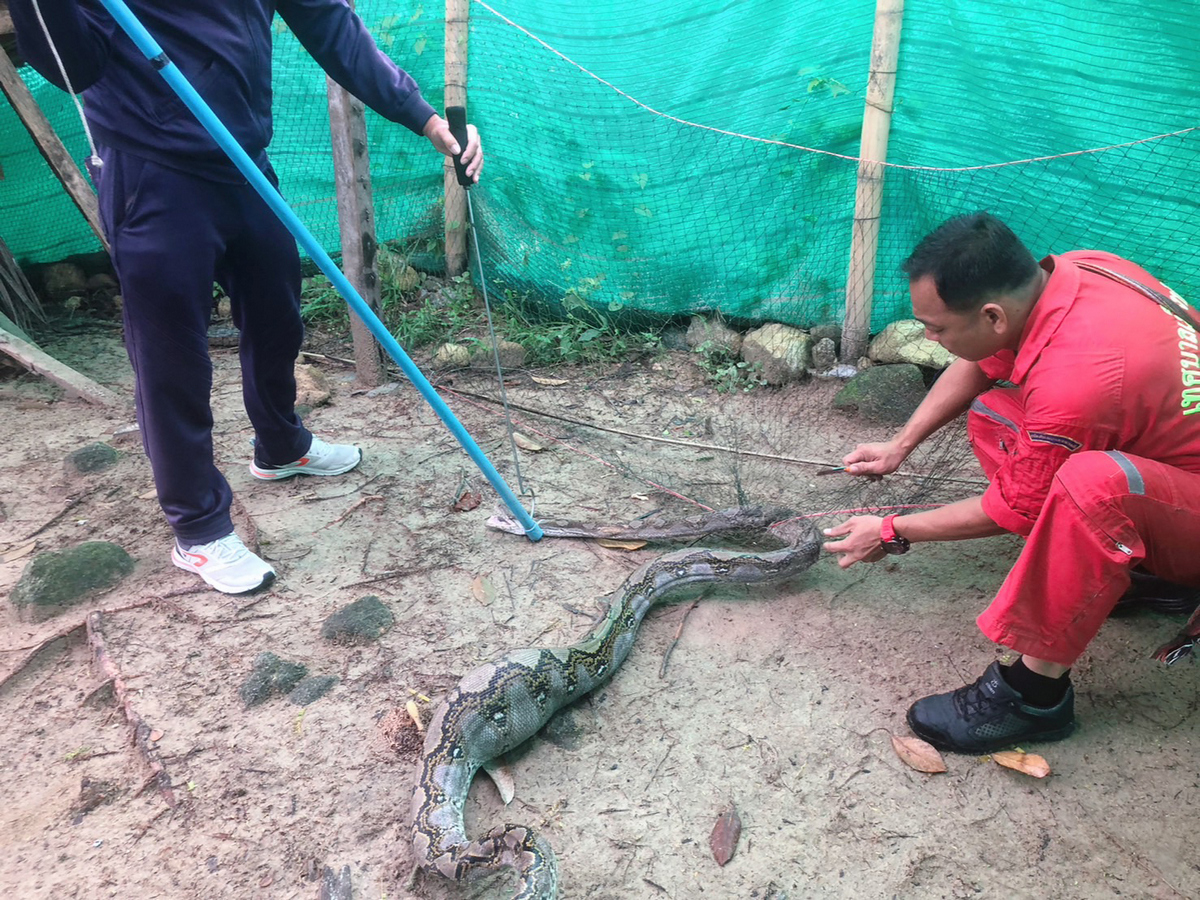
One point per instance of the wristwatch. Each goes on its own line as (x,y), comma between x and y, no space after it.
(893,544)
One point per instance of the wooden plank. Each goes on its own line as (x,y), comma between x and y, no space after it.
(50,145)
(39,362)
(356,220)
(868,199)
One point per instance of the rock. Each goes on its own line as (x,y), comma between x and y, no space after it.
(54,581)
(271,676)
(366,619)
(886,394)
(224,308)
(905,342)
(821,332)
(92,458)
(408,279)
(674,337)
(102,281)
(512,355)
(311,388)
(782,352)
(713,336)
(824,354)
(452,356)
(63,280)
(311,689)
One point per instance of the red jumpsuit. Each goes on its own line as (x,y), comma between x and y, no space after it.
(1093,457)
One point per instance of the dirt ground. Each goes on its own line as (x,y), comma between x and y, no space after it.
(780,700)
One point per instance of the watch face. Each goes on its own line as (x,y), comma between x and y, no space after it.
(896,546)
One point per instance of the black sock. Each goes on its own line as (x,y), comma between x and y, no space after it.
(1035,689)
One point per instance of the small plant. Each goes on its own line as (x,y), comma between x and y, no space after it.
(320,301)
(726,372)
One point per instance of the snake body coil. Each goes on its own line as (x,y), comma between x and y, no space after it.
(497,706)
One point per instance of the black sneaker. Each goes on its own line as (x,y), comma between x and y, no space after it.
(1156,594)
(987,716)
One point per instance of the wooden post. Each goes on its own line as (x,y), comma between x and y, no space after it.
(50,145)
(456,95)
(356,221)
(868,198)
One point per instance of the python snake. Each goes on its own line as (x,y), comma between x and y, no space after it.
(498,705)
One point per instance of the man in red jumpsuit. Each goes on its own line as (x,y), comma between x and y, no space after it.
(1092,453)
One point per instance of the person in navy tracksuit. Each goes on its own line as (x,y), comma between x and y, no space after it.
(180,216)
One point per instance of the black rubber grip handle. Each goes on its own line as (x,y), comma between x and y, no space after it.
(456,118)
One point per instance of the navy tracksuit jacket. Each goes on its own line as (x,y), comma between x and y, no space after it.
(179,215)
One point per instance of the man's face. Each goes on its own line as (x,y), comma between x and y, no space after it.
(972,335)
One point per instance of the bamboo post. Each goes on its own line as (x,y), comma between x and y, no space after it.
(356,221)
(456,95)
(50,145)
(868,197)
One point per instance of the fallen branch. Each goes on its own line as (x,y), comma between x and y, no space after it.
(140,731)
(662,672)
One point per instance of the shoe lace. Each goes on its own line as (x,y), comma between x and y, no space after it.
(970,701)
(227,548)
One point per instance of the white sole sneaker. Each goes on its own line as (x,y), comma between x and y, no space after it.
(321,459)
(227,565)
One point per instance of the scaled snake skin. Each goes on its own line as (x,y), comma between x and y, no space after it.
(500,704)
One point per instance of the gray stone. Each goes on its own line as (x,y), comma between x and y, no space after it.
(831,331)
(92,458)
(271,676)
(366,619)
(63,280)
(886,394)
(101,281)
(452,356)
(312,689)
(824,354)
(512,355)
(713,336)
(905,342)
(54,581)
(782,352)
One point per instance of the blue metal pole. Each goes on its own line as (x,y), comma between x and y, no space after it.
(149,46)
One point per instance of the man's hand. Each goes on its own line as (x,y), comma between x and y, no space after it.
(875,459)
(861,540)
(438,132)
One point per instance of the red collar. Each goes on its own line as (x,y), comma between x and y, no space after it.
(1051,307)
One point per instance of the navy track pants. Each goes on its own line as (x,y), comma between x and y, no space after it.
(172,236)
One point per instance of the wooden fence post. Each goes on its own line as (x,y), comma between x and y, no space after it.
(356,221)
(868,198)
(457,12)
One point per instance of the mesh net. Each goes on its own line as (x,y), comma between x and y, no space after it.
(689,155)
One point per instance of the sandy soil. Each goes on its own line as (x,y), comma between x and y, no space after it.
(778,700)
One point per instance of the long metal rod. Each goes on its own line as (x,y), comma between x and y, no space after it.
(130,24)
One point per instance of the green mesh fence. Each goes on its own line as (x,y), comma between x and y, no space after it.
(650,156)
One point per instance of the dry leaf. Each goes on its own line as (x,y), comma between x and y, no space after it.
(725,834)
(467,501)
(19,553)
(415,714)
(156,735)
(483,589)
(552,382)
(502,777)
(527,443)
(613,544)
(917,754)
(1029,763)
(148,495)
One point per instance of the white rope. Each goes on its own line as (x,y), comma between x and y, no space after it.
(94,159)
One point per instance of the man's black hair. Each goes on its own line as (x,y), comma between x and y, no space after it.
(972,258)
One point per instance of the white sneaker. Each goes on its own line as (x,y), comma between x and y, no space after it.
(226,564)
(321,459)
